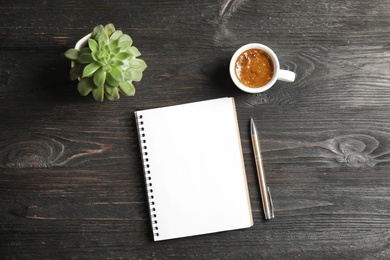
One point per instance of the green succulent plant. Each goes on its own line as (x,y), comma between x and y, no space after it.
(107,65)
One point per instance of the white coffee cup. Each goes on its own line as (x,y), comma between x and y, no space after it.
(279,74)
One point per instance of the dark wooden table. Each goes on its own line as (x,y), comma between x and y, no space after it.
(71,183)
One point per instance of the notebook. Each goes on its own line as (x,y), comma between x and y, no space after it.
(194,169)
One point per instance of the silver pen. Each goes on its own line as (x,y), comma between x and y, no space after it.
(264,190)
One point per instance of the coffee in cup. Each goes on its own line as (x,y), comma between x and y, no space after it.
(254,68)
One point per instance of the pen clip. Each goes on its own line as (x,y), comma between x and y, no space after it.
(271,204)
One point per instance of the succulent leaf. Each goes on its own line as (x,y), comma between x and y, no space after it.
(138,64)
(99,77)
(116,73)
(85,50)
(85,86)
(102,38)
(97,30)
(72,54)
(134,51)
(125,38)
(116,62)
(76,71)
(136,75)
(90,69)
(94,56)
(116,35)
(93,45)
(98,93)
(109,89)
(113,44)
(114,96)
(123,56)
(127,75)
(125,42)
(127,88)
(107,68)
(109,29)
(110,80)
(115,50)
(85,58)
(111,92)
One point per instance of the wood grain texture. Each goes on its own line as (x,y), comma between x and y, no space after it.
(71,184)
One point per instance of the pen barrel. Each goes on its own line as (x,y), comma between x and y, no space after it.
(261,176)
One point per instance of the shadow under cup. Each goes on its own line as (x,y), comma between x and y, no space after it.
(278,74)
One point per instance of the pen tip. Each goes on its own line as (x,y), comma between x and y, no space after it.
(253,127)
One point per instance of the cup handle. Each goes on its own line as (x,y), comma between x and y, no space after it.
(286,75)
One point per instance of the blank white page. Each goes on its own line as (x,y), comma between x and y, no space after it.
(194,169)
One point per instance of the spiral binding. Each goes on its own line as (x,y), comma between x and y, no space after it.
(148,174)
